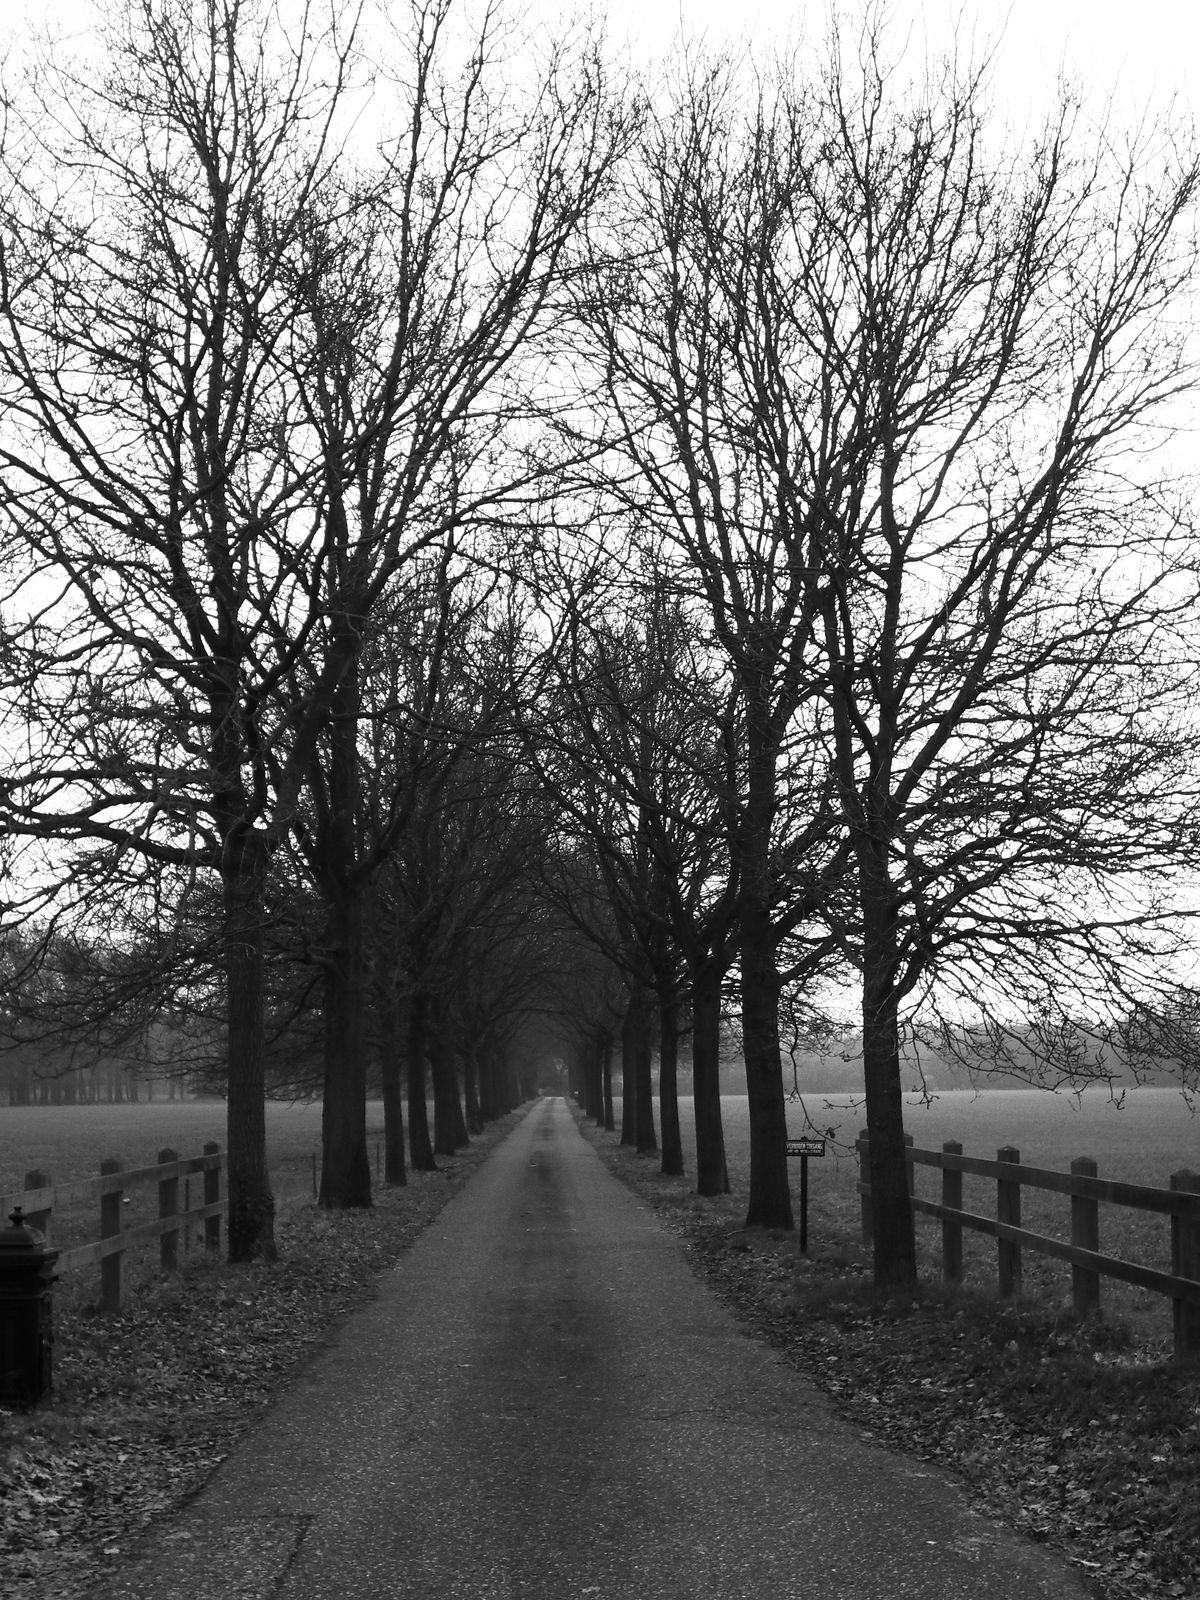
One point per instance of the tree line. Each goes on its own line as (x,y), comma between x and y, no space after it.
(505,561)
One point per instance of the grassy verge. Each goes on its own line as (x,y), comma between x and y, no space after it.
(148,1403)
(1079,1434)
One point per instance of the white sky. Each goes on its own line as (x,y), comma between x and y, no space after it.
(1146,49)
(1143,53)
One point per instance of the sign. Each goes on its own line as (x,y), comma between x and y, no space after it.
(804,1148)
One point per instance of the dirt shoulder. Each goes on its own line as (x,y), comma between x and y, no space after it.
(1073,1433)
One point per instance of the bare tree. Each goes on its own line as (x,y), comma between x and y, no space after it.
(149,203)
(1006,596)
(421,284)
(460,820)
(879,380)
(627,736)
(685,313)
(245,388)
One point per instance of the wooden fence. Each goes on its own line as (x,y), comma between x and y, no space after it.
(41,1196)
(1181,1203)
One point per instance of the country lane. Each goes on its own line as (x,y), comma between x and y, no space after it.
(543,1403)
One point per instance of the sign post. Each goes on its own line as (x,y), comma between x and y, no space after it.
(804,1148)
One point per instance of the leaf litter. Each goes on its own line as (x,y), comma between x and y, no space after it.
(1081,1435)
(147,1404)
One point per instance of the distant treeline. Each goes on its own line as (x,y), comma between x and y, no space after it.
(109,1083)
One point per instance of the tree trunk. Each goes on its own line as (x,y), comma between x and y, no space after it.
(646,1139)
(507,1080)
(581,1075)
(629,1073)
(712,1174)
(471,1092)
(668,1080)
(345,1164)
(489,1103)
(770,1187)
(420,1147)
(251,1219)
(895,1256)
(610,1121)
(449,1129)
(600,1045)
(394,1167)
(441,1068)
(499,1088)
(510,1079)
(600,1049)
(462,1134)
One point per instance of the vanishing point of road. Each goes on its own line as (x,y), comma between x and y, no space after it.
(543,1403)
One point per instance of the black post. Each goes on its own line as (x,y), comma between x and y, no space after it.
(803,1204)
(26,1314)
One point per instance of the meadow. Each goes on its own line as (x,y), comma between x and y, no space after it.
(69,1143)
(1143,1138)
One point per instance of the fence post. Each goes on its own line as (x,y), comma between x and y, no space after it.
(212,1193)
(38,1219)
(168,1206)
(910,1166)
(952,1234)
(862,1147)
(1085,1233)
(1185,1263)
(1008,1209)
(112,1267)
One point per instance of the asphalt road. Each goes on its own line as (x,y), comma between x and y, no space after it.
(544,1404)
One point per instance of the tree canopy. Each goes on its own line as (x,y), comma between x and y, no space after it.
(496,567)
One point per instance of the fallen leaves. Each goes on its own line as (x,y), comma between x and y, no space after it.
(1073,1433)
(148,1403)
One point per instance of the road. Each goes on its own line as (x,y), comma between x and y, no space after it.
(543,1403)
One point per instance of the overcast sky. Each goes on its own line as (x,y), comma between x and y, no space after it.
(1147,48)
(1143,53)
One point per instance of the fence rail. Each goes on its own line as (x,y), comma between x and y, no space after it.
(1087,1192)
(41,1196)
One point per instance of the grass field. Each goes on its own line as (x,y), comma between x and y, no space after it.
(1149,1136)
(69,1143)
(1144,1140)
